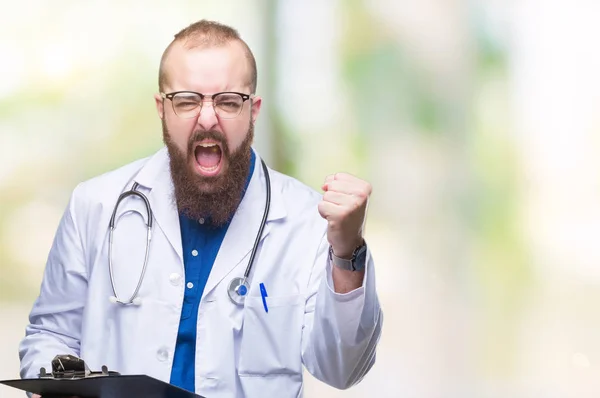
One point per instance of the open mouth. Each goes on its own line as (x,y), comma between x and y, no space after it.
(209,158)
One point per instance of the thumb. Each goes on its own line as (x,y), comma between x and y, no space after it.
(325,209)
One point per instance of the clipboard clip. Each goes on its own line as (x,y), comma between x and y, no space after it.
(71,367)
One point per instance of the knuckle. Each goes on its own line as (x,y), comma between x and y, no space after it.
(366,190)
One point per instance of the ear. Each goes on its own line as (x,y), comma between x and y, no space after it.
(158,99)
(255,107)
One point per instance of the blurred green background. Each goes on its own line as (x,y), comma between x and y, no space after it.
(476,122)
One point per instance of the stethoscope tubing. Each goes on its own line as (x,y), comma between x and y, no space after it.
(134,192)
(262,223)
(111,226)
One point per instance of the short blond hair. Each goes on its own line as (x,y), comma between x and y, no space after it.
(206,33)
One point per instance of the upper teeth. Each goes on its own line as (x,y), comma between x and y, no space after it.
(207,145)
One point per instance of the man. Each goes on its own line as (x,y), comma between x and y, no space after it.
(309,298)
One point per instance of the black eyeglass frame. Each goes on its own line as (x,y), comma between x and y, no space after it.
(171,95)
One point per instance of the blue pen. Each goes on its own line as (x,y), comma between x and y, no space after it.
(263,293)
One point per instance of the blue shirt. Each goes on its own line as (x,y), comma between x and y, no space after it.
(200,243)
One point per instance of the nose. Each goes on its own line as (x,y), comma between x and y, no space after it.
(207,119)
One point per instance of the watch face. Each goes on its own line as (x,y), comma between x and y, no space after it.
(362,252)
(361,258)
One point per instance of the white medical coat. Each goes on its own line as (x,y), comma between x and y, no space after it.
(241,351)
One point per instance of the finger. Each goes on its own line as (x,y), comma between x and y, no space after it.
(336,197)
(345,177)
(361,190)
(328,210)
(328,179)
(365,186)
(340,186)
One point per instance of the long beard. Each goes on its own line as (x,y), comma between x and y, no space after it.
(212,198)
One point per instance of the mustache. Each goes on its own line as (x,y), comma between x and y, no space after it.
(200,135)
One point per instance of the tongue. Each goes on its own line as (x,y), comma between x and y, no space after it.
(208,157)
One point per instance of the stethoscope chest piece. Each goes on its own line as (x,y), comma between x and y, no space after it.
(238,290)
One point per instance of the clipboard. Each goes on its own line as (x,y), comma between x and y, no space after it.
(120,386)
(82,383)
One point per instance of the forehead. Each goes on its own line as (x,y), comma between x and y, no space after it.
(207,69)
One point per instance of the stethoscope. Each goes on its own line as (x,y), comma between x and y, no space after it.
(238,287)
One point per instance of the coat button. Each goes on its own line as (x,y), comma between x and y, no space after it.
(175,279)
(162,354)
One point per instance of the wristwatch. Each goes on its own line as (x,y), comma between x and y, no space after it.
(356,263)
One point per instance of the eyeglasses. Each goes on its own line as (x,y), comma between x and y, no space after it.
(188,104)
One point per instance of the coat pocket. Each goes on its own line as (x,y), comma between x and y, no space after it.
(279,386)
(271,341)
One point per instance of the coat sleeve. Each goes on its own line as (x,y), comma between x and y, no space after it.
(55,320)
(341,331)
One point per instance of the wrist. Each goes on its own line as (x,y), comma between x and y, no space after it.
(347,250)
